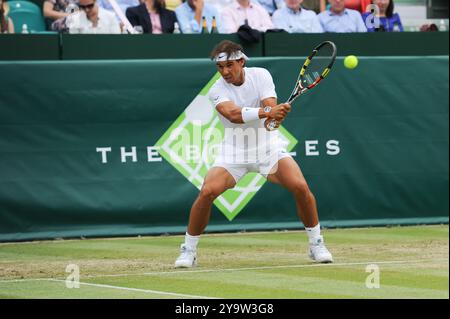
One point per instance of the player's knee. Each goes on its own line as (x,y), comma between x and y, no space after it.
(301,189)
(209,192)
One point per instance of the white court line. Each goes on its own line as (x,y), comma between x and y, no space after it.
(292,266)
(139,290)
(25,280)
(179,272)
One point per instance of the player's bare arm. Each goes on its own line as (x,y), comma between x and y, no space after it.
(234,113)
(272,103)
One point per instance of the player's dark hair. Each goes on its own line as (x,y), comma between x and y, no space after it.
(229,47)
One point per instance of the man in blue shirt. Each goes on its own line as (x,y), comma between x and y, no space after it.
(190,15)
(295,19)
(340,19)
(123,5)
(271,5)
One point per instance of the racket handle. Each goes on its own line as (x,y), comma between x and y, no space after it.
(271,125)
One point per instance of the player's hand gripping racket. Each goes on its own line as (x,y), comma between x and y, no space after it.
(315,69)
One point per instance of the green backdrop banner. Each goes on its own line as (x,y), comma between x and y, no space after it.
(79,147)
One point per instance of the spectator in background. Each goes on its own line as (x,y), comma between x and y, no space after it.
(190,16)
(6,24)
(358,5)
(317,6)
(295,19)
(123,4)
(340,19)
(219,4)
(389,21)
(55,9)
(271,5)
(247,12)
(92,19)
(152,17)
(171,4)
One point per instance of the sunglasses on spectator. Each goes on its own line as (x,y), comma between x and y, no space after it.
(87,6)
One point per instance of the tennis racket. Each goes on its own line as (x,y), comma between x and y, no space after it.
(314,70)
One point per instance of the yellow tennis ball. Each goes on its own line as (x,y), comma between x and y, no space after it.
(351,62)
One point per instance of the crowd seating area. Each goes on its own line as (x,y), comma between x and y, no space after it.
(31,16)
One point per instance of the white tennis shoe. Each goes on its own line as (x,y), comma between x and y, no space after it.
(187,258)
(318,252)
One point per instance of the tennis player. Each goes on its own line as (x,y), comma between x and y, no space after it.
(246,101)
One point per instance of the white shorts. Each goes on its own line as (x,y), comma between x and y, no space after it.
(264,167)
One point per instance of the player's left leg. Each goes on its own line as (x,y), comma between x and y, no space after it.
(287,173)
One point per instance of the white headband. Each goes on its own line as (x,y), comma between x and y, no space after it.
(223,56)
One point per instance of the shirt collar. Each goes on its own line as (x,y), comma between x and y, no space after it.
(331,13)
(84,17)
(294,12)
(238,6)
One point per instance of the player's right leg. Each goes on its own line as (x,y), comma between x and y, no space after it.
(217,181)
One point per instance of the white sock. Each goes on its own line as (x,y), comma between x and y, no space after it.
(191,241)
(313,232)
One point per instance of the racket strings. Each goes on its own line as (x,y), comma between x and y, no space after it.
(315,68)
(318,67)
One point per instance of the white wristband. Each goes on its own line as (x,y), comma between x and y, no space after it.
(250,114)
